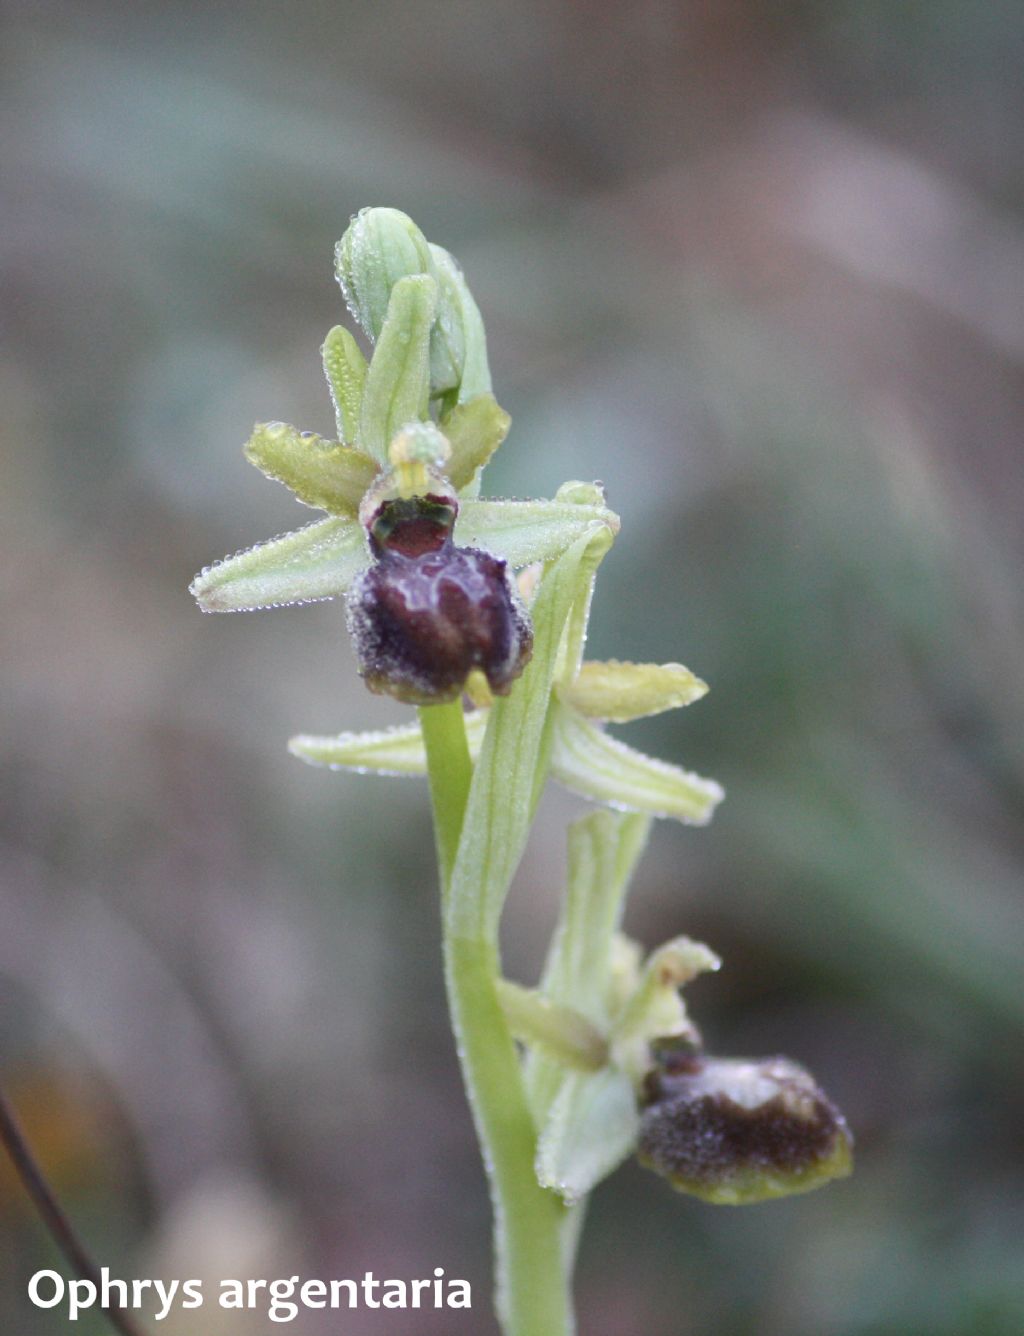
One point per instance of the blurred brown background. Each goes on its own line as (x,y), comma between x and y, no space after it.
(759,267)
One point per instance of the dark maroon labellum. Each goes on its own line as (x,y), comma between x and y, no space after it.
(426,613)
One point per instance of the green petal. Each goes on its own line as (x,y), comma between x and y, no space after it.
(627,962)
(345,369)
(591,1128)
(474,431)
(526,531)
(319,561)
(397,388)
(619,692)
(392,751)
(655,1010)
(321,473)
(586,760)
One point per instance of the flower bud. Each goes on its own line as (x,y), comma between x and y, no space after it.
(733,1131)
(383,246)
(379,247)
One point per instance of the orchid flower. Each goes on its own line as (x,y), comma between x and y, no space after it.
(600,1058)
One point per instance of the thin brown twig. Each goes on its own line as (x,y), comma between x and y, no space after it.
(52,1215)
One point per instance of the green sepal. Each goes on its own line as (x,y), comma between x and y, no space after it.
(397,388)
(345,368)
(317,562)
(323,474)
(558,1031)
(527,531)
(583,759)
(474,431)
(620,692)
(602,768)
(591,1128)
(390,751)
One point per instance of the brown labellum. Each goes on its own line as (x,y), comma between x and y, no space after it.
(734,1131)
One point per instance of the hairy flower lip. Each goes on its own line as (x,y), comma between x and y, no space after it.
(734,1131)
(421,623)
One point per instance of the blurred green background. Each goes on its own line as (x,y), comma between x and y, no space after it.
(757,266)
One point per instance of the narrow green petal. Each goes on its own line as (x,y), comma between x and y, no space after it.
(321,473)
(627,962)
(655,1010)
(474,431)
(619,692)
(592,1127)
(319,561)
(345,369)
(526,531)
(392,751)
(589,762)
(397,388)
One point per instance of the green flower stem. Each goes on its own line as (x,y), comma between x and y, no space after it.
(533,1296)
(444,738)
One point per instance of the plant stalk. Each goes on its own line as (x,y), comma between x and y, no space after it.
(450,770)
(533,1286)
